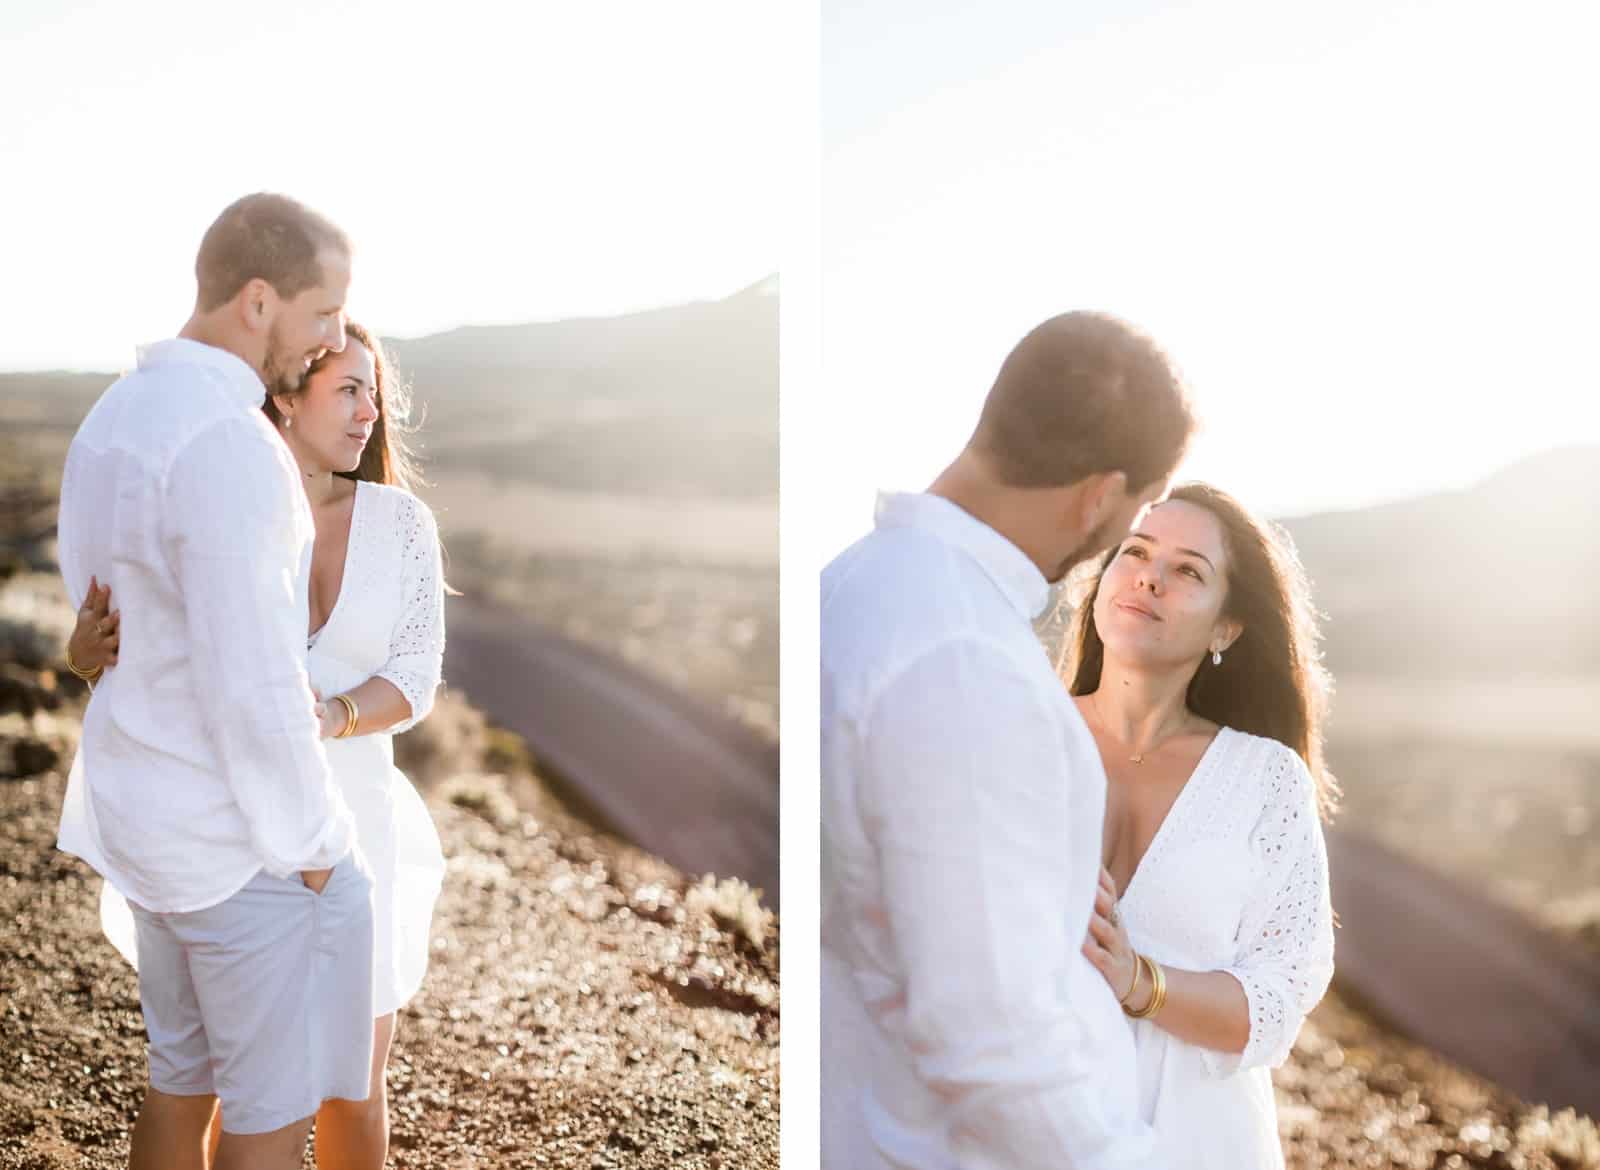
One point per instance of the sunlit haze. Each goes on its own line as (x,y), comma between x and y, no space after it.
(493,162)
(1366,232)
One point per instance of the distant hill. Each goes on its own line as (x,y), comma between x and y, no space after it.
(49,401)
(678,401)
(1499,580)
(675,401)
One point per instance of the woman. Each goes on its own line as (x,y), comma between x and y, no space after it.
(1196,669)
(374,648)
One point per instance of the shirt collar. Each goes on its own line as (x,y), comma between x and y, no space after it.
(183,351)
(1007,565)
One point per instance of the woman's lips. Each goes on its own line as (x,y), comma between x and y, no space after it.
(1135,608)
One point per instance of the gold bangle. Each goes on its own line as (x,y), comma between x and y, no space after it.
(1138,969)
(86,675)
(1139,1015)
(351,716)
(1158,990)
(1161,987)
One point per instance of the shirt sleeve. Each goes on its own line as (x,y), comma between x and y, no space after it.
(416,647)
(67,542)
(1284,959)
(966,794)
(239,543)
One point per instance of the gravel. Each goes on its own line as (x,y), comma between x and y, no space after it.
(586,1005)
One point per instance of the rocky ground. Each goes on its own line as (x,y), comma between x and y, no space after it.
(586,1006)
(1355,1094)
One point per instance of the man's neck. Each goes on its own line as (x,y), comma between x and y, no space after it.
(1015,513)
(207,330)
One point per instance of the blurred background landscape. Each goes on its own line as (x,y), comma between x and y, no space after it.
(1464,641)
(615,479)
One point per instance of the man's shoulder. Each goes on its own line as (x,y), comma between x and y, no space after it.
(900,596)
(161,411)
(911,565)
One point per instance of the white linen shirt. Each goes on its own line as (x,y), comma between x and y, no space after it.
(962,804)
(201,758)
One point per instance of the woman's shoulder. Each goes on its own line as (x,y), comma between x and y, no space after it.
(1275,766)
(405,506)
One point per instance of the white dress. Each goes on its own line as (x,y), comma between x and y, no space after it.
(388,622)
(1235,880)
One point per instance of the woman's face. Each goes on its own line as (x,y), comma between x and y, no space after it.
(332,421)
(1161,598)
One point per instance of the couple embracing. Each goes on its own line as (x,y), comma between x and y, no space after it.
(260,611)
(1072,914)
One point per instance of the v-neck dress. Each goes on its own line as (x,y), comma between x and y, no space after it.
(1235,880)
(387,622)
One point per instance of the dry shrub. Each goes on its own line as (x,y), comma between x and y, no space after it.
(485,794)
(734,905)
(1569,1139)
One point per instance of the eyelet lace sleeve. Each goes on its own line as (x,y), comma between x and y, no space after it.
(416,647)
(1284,959)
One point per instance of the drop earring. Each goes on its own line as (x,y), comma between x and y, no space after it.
(1216,658)
(288,421)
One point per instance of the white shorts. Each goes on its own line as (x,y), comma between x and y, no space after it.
(264,999)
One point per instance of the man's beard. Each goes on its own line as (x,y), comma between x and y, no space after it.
(281,377)
(1094,544)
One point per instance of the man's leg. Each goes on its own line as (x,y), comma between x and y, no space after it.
(282,1149)
(354,1135)
(170,1133)
(283,977)
(179,1102)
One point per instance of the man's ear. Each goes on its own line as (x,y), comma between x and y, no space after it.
(257,304)
(1103,492)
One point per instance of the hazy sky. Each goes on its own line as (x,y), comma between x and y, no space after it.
(494,162)
(1366,231)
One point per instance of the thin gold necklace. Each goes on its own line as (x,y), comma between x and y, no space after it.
(1137,757)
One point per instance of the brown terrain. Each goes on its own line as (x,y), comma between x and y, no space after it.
(586,1006)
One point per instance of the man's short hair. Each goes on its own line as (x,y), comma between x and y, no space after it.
(269,236)
(1081,394)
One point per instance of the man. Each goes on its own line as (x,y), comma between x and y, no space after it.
(962,795)
(206,797)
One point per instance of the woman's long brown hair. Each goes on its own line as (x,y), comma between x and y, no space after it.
(1271,681)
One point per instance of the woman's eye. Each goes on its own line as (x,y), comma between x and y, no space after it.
(1133,549)
(1193,572)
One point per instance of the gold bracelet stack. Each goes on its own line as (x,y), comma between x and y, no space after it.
(1138,970)
(1158,990)
(351,715)
(88,676)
